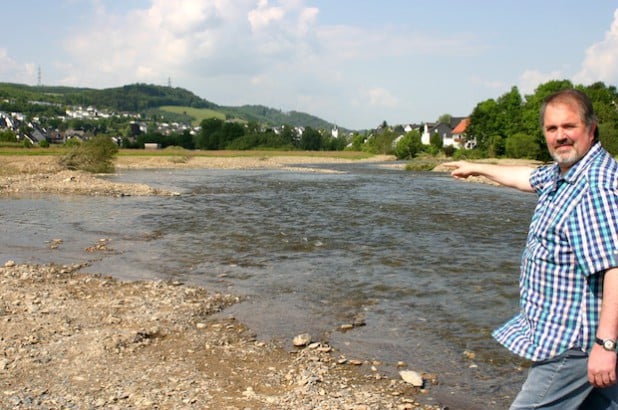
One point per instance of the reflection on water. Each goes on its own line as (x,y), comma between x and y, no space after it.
(429,263)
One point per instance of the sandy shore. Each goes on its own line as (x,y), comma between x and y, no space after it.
(74,340)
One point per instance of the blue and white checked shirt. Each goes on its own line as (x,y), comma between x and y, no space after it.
(573,237)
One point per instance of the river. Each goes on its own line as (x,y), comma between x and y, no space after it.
(427,263)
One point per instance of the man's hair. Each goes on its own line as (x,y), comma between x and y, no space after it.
(583,102)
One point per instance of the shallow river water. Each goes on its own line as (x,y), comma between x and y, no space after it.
(429,263)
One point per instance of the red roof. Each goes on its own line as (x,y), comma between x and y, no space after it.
(461,127)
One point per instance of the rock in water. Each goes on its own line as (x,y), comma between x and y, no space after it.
(411,377)
(302,340)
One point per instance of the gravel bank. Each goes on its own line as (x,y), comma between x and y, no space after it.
(73,340)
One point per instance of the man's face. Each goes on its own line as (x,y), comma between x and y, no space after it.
(568,139)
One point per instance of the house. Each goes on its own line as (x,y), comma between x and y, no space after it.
(411,127)
(460,139)
(37,135)
(442,129)
(458,134)
(334,132)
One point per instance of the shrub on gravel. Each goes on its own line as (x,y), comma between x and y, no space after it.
(95,155)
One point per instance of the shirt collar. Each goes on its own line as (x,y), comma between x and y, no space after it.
(573,174)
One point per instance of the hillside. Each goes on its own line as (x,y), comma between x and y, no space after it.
(149,99)
(265,115)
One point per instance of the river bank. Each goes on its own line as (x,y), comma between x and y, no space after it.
(73,340)
(43,173)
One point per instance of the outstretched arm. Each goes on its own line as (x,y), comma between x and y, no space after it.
(512,176)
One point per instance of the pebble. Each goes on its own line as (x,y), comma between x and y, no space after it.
(302,340)
(412,378)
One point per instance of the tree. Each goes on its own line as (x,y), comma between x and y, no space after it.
(483,122)
(288,135)
(311,140)
(7,136)
(509,119)
(409,145)
(210,134)
(185,140)
(445,118)
(381,142)
(604,101)
(491,118)
(358,140)
(522,145)
(436,142)
(608,135)
(494,147)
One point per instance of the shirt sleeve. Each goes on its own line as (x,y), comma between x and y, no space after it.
(598,223)
(541,177)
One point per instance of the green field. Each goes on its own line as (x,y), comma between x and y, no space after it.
(175,151)
(198,114)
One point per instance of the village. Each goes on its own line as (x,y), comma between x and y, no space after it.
(34,132)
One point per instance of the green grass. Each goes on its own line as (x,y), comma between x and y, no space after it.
(177,151)
(35,151)
(198,114)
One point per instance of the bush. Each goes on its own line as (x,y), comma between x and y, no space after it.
(423,163)
(449,150)
(409,146)
(608,135)
(475,153)
(95,155)
(522,145)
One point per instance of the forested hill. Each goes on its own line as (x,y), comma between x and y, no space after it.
(142,98)
(265,115)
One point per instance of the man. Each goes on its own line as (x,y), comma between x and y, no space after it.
(568,319)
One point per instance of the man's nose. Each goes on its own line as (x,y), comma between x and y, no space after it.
(562,134)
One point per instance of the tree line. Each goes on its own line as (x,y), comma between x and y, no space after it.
(216,134)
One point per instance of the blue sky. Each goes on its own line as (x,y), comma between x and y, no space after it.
(353,62)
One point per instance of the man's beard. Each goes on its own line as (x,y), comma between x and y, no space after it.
(565,159)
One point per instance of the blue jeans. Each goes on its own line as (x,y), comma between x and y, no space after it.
(561,383)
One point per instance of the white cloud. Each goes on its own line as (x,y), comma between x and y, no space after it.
(264,15)
(485,83)
(354,42)
(381,97)
(601,62)
(147,45)
(18,72)
(194,39)
(531,79)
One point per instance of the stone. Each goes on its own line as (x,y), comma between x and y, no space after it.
(302,340)
(411,377)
